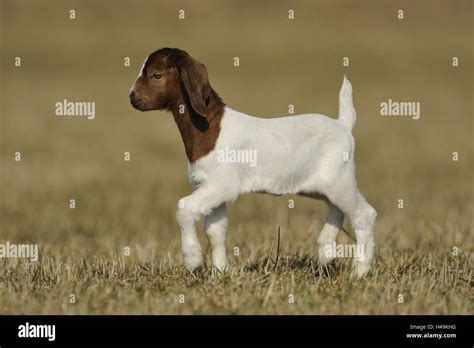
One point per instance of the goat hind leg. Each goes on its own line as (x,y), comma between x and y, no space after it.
(329,233)
(363,220)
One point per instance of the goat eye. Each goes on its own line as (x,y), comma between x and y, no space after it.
(156,76)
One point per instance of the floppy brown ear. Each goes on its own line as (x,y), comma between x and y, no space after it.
(196,82)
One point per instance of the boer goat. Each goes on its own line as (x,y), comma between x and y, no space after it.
(309,155)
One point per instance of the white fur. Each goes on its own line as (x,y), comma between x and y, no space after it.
(307,154)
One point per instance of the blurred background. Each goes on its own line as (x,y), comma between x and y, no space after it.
(282,62)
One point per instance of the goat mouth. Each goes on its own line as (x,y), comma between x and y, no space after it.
(137,104)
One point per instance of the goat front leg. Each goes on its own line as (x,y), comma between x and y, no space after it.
(215,226)
(190,208)
(190,247)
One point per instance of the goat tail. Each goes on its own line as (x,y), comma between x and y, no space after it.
(347,113)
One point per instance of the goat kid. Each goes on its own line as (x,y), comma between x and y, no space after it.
(309,155)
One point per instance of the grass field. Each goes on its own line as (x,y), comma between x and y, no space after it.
(424,251)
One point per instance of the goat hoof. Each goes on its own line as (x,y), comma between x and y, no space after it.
(360,270)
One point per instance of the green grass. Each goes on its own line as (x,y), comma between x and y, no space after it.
(132,204)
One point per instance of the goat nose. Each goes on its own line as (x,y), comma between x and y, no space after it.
(132,94)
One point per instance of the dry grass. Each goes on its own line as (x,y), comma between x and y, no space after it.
(114,284)
(132,204)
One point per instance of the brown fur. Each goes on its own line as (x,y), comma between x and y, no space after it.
(184,81)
